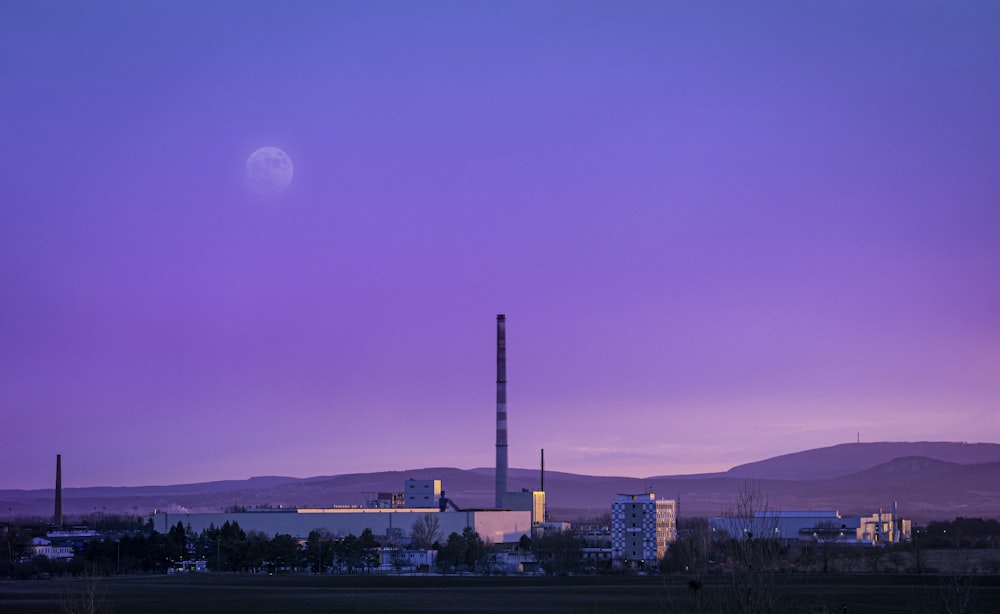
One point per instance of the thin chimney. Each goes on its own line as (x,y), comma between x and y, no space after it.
(58,518)
(501,470)
(543,471)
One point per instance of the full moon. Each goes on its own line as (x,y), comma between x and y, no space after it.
(269,170)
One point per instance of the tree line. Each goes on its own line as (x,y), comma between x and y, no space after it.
(137,548)
(229,548)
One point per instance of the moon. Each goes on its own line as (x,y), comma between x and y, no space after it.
(269,170)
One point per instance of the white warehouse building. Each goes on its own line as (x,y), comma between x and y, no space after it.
(422,497)
(495,526)
(827,526)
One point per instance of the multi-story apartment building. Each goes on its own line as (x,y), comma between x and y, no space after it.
(641,528)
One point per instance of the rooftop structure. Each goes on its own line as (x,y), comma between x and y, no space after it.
(422,493)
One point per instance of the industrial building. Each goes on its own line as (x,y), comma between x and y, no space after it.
(422,493)
(494,526)
(641,528)
(524,500)
(826,526)
(44,547)
(596,540)
(395,513)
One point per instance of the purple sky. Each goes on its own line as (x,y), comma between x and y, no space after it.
(720,231)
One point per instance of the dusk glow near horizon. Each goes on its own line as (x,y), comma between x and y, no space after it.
(719,232)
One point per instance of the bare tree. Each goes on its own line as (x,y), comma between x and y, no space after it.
(958,593)
(828,537)
(690,552)
(84,595)
(425,532)
(874,556)
(752,551)
(918,554)
(559,552)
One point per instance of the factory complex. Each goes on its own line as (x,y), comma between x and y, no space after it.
(637,534)
(392,515)
(493,526)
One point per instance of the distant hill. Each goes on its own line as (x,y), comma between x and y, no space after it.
(928,481)
(850,458)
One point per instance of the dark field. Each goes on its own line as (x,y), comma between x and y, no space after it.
(604,594)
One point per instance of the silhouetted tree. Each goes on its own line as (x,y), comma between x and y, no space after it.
(283,552)
(85,595)
(319,548)
(353,554)
(559,552)
(177,542)
(753,552)
(425,531)
(257,550)
(690,552)
(451,556)
(475,548)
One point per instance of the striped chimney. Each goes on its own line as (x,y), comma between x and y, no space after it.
(501,473)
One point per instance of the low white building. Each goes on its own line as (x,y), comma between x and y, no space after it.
(596,545)
(43,547)
(541,528)
(199,566)
(423,497)
(498,527)
(406,561)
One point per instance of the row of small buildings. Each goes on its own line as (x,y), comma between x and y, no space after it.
(822,526)
(642,526)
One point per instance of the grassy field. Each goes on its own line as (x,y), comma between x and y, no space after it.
(596,595)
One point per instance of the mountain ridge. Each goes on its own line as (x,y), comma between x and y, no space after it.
(847,458)
(927,486)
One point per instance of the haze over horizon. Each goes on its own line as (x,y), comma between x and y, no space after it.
(719,233)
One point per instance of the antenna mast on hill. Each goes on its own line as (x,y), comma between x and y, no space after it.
(859,436)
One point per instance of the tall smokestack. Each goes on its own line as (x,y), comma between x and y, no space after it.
(501,472)
(543,471)
(58,517)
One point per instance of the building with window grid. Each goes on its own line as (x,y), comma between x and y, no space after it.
(641,528)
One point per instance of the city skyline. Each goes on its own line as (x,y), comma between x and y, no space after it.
(718,234)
